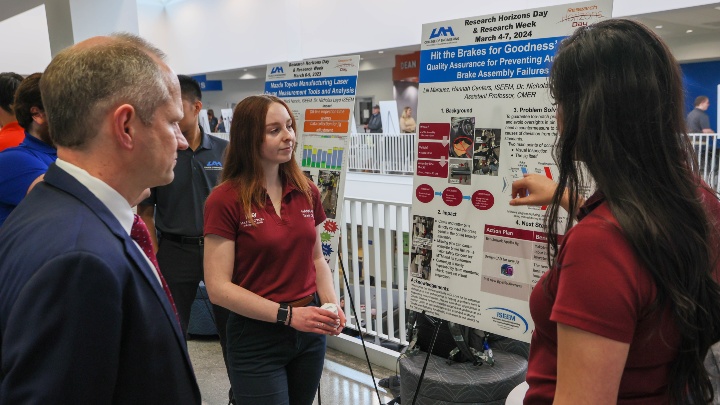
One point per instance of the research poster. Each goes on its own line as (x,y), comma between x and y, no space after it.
(321,95)
(485,119)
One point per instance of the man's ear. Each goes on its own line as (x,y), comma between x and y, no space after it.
(123,125)
(38,115)
(197,106)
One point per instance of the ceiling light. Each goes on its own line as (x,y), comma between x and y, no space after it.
(717,8)
(688,31)
(244,70)
(658,26)
(381,51)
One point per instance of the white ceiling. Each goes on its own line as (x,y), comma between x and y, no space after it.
(703,43)
(704,21)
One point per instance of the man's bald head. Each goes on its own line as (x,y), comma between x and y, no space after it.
(85,81)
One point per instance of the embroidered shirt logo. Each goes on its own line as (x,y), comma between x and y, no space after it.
(247,223)
(213,165)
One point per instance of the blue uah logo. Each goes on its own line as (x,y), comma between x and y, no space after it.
(512,316)
(213,163)
(442,32)
(277,69)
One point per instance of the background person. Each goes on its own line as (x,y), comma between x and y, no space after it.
(407,122)
(174,212)
(374,124)
(698,120)
(631,304)
(84,317)
(11,133)
(25,165)
(221,126)
(264,262)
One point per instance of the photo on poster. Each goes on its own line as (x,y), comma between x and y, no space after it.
(420,259)
(309,175)
(421,252)
(328,181)
(486,159)
(423,231)
(460,170)
(461,137)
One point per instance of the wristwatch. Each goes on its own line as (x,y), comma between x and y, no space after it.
(282,315)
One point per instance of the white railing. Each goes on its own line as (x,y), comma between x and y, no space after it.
(382,153)
(372,246)
(706,147)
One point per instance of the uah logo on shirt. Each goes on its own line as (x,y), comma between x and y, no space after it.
(213,165)
(307,213)
(258,221)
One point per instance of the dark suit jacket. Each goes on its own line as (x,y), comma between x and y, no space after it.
(83,318)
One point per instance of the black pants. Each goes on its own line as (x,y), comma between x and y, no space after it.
(182,267)
(273,364)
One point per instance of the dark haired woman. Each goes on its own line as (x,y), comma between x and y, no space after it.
(263,260)
(631,304)
(212,120)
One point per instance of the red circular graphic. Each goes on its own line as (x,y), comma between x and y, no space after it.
(483,200)
(424,193)
(452,196)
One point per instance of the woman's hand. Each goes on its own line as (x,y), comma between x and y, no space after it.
(317,320)
(532,189)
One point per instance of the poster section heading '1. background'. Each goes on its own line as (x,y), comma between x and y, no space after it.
(485,119)
(321,95)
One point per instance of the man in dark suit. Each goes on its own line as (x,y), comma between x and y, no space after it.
(84,317)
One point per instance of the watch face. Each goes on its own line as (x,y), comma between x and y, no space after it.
(282,313)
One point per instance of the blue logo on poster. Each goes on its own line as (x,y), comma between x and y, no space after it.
(277,69)
(442,32)
(505,314)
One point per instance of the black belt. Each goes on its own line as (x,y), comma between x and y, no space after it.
(185,240)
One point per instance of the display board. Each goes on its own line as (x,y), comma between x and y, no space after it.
(485,119)
(321,95)
(389,117)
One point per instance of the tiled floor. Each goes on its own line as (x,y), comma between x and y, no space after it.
(345,381)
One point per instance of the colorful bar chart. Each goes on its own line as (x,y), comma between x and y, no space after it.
(322,158)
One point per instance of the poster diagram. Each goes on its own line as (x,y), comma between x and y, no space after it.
(485,119)
(321,95)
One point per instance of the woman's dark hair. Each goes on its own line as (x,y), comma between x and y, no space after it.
(619,95)
(242,164)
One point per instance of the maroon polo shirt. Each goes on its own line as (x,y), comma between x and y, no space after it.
(603,288)
(273,258)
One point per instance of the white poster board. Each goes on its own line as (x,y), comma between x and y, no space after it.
(204,121)
(226,116)
(485,118)
(389,117)
(321,95)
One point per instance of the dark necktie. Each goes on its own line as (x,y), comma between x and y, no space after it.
(140,234)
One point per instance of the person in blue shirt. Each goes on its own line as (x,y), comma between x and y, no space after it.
(25,165)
